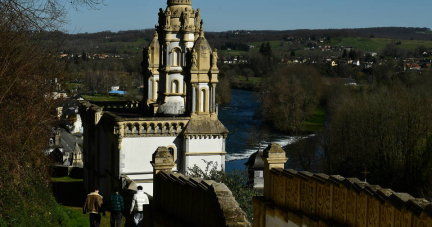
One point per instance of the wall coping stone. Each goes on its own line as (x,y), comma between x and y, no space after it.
(398,200)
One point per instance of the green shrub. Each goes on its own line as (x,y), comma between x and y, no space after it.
(236,181)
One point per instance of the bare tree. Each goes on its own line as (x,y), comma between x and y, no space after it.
(28,70)
(289,97)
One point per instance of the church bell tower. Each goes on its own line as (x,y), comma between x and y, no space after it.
(180,68)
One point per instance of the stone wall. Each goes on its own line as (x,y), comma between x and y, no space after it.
(304,199)
(180,200)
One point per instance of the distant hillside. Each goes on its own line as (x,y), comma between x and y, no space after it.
(132,41)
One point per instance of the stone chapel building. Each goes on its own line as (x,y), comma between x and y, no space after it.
(178,110)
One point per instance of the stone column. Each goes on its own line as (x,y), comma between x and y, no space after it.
(150,89)
(214,98)
(273,157)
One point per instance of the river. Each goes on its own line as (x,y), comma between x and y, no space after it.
(238,117)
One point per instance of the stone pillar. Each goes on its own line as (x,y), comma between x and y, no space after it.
(214,98)
(162,161)
(273,157)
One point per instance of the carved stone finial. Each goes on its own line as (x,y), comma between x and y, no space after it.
(198,17)
(202,29)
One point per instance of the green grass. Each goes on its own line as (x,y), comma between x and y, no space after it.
(135,46)
(99,97)
(65,179)
(316,122)
(275,45)
(76,217)
(105,220)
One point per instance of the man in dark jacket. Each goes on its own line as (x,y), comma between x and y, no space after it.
(93,205)
(117,207)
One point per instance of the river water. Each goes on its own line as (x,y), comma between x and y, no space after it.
(238,117)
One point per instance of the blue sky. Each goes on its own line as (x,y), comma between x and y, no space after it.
(223,15)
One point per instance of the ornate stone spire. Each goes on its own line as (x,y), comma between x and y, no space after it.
(179,2)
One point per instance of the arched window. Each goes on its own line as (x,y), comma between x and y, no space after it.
(156,89)
(173,151)
(202,96)
(176,57)
(175,86)
(203,101)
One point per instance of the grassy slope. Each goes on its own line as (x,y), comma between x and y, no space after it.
(135,46)
(316,122)
(365,44)
(65,179)
(105,221)
(377,44)
(103,98)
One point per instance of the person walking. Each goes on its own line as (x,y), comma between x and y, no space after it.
(117,207)
(139,200)
(93,205)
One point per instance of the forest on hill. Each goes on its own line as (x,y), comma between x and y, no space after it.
(132,41)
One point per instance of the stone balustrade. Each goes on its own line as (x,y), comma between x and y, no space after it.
(107,105)
(150,128)
(180,200)
(306,199)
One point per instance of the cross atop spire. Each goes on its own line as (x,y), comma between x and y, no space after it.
(365,173)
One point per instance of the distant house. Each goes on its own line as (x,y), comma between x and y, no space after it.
(117,92)
(77,125)
(255,167)
(334,63)
(78,97)
(54,143)
(356,63)
(413,66)
(58,95)
(348,48)
(368,65)
(251,46)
